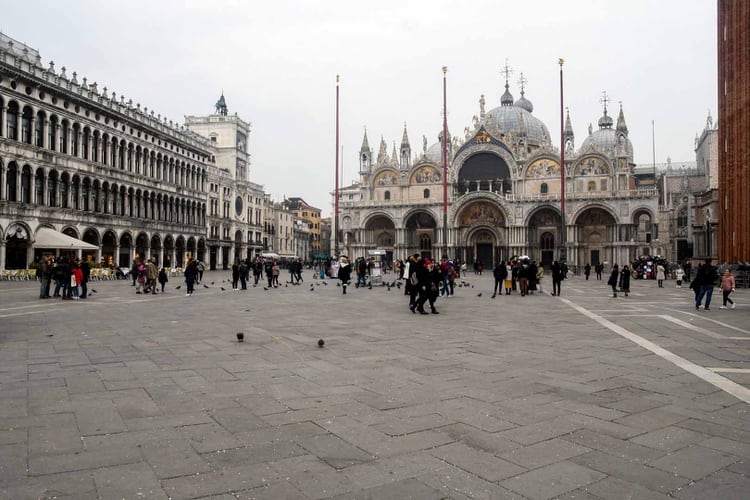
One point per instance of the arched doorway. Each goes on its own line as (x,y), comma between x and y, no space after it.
(420,234)
(595,229)
(380,232)
(141,246)
(180,252)
(481,225)
(126,244)
(109,246)
(17,247)
(90,236)
(168,251)
(156,248)
(542,232)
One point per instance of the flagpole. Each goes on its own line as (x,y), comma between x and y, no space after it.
(445,162)
(563,248)
(336,190)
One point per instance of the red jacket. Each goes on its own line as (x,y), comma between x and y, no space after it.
(78,274)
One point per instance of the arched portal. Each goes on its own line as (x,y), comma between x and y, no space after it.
(92,237)
(109,246)
(481,229)
(17,246)
(180,252)
(141,246)
(156,249)
(421,233)
(168,251)
(543,230)
(595,234)
(379,232)
(126,243)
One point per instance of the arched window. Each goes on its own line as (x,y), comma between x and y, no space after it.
(85,143)
(76,136)
(426,193)
(12,119)
(592,186)
(64,137)
(39,129)
(547,241)
(387,195)
(26,125)
(425,243)
(52,133)
(544,188)
(603,184)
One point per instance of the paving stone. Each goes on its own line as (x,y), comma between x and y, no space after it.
(72,485)
(99,456)
(312,477)
(728,446)
(333,450)
(552,480)
(722,485)
(274,491)
(479,439)
(14,436)
(387,470)
(544,453)
(621,448)
(237,419)
(132,480)
(455,483)
(484,465)
(648,477)
(651,419)
(695,462)
(209,437)
(48,441)
(541,431)
(13,459)
(408,488)
(613,488)
(172,458)
(241,478)
(669,438)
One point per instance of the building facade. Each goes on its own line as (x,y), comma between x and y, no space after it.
(310,215)
(79,159)
(734,123)
(235,215)
(504,193)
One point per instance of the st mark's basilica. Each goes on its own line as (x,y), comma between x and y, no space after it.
(504,196)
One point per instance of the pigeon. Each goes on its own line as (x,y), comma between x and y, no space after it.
(205,286)
(324,283)
(285,285)
(50,335)
(222,288)
(254,286)
(240,336)
(180,286)
(93,291)
(264,288)
(321,343)
(370,287)
(312,289)
(479,295)
(212,282)
(338,284)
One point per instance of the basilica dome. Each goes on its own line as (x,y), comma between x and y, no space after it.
(518,120)
(606,138)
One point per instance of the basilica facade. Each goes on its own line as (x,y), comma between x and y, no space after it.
(504,194)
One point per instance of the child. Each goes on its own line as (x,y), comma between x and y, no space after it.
(679,274)
(163,278)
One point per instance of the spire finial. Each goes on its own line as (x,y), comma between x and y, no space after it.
(507,72)
(522,81)
(605,100)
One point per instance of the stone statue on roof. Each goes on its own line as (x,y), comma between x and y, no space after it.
(221,105)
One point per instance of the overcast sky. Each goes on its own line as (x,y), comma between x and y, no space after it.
(277,62)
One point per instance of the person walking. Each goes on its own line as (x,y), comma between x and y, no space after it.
(557,277)
(76,277)
(191,273)
(235,275)
(86,275)
(598,268)
(587,271)
(625,280)
(679,275)
(200,268)
(152,274)
(163,278)
(613,278)
(345,272)
(43,274)
(424,281)
(727,287)
(660,275)
(706,278)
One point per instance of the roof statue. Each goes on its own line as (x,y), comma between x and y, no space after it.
(221,105)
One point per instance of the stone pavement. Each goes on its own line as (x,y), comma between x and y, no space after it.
(576,397)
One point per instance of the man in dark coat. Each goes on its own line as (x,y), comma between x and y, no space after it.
(706,278)
(557,277)
(500,272)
